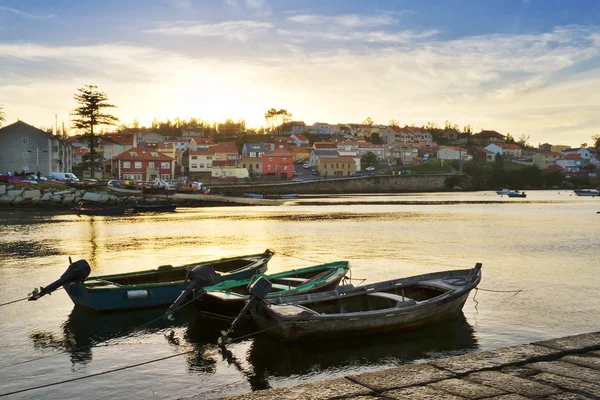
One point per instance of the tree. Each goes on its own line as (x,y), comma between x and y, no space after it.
(394,123)
(368,121)
(2,118)
(135,124)
(89,114)
(509,138)
(375,138)
(276,118)
(584,145)
(524,140)
(596,139)
(369,159)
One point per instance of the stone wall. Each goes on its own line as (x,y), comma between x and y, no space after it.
(370,184)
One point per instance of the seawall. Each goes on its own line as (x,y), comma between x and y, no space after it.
(558,369)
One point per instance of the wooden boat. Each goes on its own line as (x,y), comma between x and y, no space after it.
(124,191)
(394,305)
(82,209)
(503,191)
(228,298)
(154,207)
(155,287)
(516,193)
(255,195)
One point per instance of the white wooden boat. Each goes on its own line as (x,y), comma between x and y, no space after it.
(124,191)
(394,305)
(587,192)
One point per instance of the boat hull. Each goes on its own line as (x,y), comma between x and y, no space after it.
(155,208)
(99,294)
(101,211)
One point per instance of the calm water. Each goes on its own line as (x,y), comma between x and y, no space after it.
(546,245)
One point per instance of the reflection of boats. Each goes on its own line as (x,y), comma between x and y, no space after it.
(82,209)
(399,304)
(149,288)
(503,191)
(229,297)
(301,358)
(154,207)
(587,192)
(85,328)
(516,193)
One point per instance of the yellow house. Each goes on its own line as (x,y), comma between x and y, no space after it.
(558,148)
(545,159)
(336,166)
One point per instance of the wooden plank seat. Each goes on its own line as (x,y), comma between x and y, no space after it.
(400,301)
(292,279)
(278,286)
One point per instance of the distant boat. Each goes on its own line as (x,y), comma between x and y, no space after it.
(154,207)
(254,195)
(82,209)
(516,193)
(587,192)
(124,191)
(503,191)
(395,305)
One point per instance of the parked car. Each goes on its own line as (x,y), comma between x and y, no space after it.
(371,168)
(64,176)
(315,172)
(305,166)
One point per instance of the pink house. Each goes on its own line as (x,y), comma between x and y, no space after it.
(277,163)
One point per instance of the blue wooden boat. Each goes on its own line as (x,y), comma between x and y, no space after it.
(254,195)
(149,288)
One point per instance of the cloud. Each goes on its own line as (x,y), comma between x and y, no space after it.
(235,30)
(346,20)
(358,36)
(542,84)
(24,14)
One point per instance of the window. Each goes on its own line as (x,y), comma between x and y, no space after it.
(270,158)
(126,164)
(154,154)
(138,164)
(165,165)
(25,154)
(151,164)
(194,157)
(209,157)
(165,177)
(201,165)
(194,166)
(25,140)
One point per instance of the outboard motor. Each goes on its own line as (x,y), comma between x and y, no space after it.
(200,275)
(259,289)
(77,272)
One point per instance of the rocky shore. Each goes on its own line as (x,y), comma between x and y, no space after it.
(15,196)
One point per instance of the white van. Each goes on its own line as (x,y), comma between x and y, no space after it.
(63,176)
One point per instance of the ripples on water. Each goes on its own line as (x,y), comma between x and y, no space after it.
(545,244)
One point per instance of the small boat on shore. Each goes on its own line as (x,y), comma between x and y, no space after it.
(503,192)
(398,304)
(587,192)
(516,193)
(228,298)
(254,196)
(154,207)
(83,209)
(148,288)
(124,191)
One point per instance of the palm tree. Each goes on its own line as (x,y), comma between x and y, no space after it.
(2,119)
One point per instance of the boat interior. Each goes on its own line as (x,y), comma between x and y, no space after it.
(168,273)
(289,282)
(373,299)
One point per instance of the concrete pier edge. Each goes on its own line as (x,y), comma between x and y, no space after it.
(557,369)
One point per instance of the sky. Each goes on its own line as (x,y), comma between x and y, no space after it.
(524,67)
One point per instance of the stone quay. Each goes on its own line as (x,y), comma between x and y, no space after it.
(558,369)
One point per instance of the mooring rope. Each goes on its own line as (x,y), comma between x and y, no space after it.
(14,301)
(96,343)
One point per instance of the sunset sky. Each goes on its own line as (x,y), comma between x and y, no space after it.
(526,66)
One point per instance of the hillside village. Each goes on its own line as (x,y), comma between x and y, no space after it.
(228,152)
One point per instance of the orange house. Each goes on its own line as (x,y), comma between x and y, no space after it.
(278,163)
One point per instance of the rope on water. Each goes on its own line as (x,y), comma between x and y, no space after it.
(14,301)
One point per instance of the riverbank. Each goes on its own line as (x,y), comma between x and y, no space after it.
(563,368)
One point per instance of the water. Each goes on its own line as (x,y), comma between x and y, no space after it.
(546,245)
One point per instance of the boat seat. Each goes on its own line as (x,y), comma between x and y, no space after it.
(293,310)
(400,301)
(300,280)
(277,286)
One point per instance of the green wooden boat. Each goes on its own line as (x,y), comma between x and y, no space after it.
(152,288)
(228,297)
